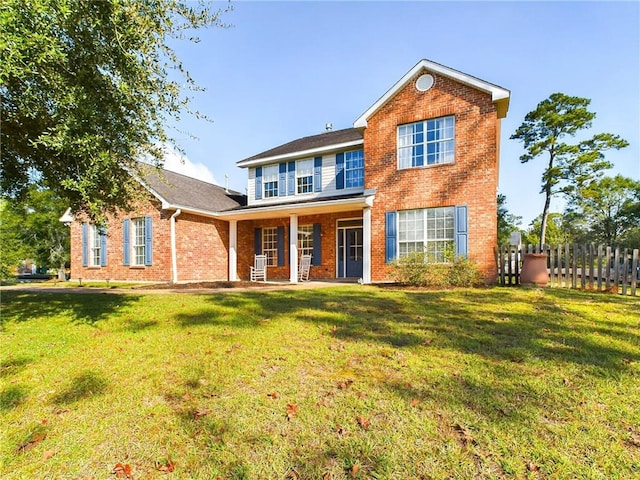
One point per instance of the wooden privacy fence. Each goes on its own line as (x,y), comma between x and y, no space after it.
(576,266)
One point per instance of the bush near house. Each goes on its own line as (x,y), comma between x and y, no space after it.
(420,269)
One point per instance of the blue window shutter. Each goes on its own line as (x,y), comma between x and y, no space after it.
(462,231)
(291,178)
(340,171)
(126,249)
(258,183)
(282,179)
(317,174)
(103,248)
(148,241)
(257,241)
(280,246)
(85,244)
(391,236)
(317,245)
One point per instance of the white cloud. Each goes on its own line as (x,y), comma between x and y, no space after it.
(177,163)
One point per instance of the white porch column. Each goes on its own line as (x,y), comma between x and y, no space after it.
(366,245)
(293,248)
(233,250)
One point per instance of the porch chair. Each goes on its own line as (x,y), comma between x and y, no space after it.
(259,269)
(303,269)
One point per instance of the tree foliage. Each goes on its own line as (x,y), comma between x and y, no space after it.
(87,89)
(608,209)
(30,229)
(570,166)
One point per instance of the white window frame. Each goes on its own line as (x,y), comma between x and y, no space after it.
(431,230)
(435,151)
(270,178)
(94,246)
(138,241)
(270,245)
(305,240)
(304,176)
(349,169)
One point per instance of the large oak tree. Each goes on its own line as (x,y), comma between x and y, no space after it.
(88,88)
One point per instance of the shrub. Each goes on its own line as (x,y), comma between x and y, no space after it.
(420,270)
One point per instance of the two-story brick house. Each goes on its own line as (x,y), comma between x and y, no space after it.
(418,170)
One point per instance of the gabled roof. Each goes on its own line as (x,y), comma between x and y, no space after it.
(499,95)
(307,146)
(179,191)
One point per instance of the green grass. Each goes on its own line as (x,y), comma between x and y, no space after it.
(487,383)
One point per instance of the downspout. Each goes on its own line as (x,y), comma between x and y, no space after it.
(174,256)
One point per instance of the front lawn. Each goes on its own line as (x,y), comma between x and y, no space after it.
(345,382)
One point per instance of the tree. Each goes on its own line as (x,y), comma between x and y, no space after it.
(557,231)
(87,88)
(30,228)
(569,166)
(507,221)
(609,208)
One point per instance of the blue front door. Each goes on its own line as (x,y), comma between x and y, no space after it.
(350,252)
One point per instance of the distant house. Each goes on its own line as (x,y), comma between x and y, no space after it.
(418,170)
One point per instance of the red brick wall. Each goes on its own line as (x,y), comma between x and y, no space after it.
(327,268)
(201,248)
(471,180)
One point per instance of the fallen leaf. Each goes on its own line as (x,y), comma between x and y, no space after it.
(532,467)
(48,454)
(354,470)
(201,413)
(364,423)
(292,475)
(345,384)
(35,440)
(463,435)
(60,411)
(44,421)
(292,410)
(340,431)
(415,402)
(273,395)
(122,471)
(186,397)
(326,476)
(166,466)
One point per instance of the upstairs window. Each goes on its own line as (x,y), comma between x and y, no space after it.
(354,168)
(428,142)
(304,176)
(270,181)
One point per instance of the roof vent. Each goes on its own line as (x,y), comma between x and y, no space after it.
(328,127)
(424,82)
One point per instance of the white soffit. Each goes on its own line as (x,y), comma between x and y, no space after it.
(498,94)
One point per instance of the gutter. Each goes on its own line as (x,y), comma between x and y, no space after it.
(174,257)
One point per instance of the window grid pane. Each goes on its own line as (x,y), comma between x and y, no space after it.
(305,240)
(270,181)
(354,168)
(436,145)
(138,241)
(95,245)
(304,175)
(270,245)
(430,230)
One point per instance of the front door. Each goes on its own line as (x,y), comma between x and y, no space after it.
(350,241)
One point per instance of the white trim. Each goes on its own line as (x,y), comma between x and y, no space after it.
(497,93)
(300,154)
(293,248)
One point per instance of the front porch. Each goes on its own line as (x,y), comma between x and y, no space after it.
(336,233)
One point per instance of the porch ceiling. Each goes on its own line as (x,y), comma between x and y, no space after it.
(311,208)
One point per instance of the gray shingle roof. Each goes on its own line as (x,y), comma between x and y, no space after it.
(188,192)
(309,143)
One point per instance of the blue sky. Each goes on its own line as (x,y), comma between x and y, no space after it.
(285,69)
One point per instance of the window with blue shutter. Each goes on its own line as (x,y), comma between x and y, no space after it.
(282,179)
(317,174)
(391,237)
(316,259)
(148,241)
(85,244)
(103,248)
(291,178)
(126,246)
(339,171)
(462,231)
(258,183)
